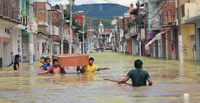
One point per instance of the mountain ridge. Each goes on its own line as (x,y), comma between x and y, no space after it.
(109,10)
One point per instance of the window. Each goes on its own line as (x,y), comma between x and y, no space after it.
(48,48)
(43,47)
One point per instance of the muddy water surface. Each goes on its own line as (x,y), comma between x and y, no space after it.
(171,80)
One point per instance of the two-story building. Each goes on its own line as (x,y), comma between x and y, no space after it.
(46,30)
(162,30)
(135,31)
(10,31)
(190,29)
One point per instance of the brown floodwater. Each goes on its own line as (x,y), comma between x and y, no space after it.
(171,80)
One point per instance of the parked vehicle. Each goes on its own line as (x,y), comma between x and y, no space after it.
(108,48)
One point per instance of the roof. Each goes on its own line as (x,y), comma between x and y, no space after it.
(107,30)
(193,19)
(79,18)
(9,19)
(52,11)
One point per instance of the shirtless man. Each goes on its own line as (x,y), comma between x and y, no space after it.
(55,69)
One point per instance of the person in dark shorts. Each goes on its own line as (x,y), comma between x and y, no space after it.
(15,62)
(138,76)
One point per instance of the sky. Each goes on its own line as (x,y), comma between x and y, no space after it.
(79,2)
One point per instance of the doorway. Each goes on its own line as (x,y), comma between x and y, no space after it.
(6,53)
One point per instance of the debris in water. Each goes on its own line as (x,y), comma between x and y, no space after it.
(186,97)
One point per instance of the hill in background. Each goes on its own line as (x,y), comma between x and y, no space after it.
(108,10)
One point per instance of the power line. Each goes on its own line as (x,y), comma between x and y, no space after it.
(158,10)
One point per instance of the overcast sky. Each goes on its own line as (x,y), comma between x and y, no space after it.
(79,2)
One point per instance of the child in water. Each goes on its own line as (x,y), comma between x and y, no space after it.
(55,69)
(15,62)
(48,64)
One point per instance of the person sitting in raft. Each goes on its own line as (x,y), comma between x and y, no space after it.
(55,69)
(15,62)
(138,76)
(48,64)
(90,68)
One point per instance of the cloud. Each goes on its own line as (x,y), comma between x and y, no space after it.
(79,2)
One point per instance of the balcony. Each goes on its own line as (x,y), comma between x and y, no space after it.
(134,30)
(190,10)
(52,30)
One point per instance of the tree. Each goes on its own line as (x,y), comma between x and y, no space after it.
(74,23)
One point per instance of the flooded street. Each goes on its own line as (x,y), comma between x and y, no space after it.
(170,81)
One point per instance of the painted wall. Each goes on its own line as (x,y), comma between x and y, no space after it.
(187,31)
(2,31)
(186,1)
(190,10)
(153,11)
(16,43)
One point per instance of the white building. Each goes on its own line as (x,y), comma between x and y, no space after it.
(10,38)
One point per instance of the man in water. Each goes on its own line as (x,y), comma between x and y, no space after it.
(55,69)
(138,76)
(90,68)
(15,62)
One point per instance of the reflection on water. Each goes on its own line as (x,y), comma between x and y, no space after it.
(171,80)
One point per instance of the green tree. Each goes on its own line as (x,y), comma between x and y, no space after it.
(74,23)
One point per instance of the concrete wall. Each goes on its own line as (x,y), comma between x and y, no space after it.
(186,1)
(2,31)
(16,43)
(187,31)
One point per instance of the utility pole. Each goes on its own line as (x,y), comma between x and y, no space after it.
(31,33)
(83,31)
(90,35)
(71,34)
(138,13)
(180,32)
(124,35)
(84,28)
(61,29)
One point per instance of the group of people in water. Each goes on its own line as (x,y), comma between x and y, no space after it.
(138,76)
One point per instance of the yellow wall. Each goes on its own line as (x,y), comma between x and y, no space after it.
(190,10)
(187,30)
(186,1)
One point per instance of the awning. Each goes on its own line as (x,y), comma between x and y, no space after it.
(193,19)
(149,43)
(157,37)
